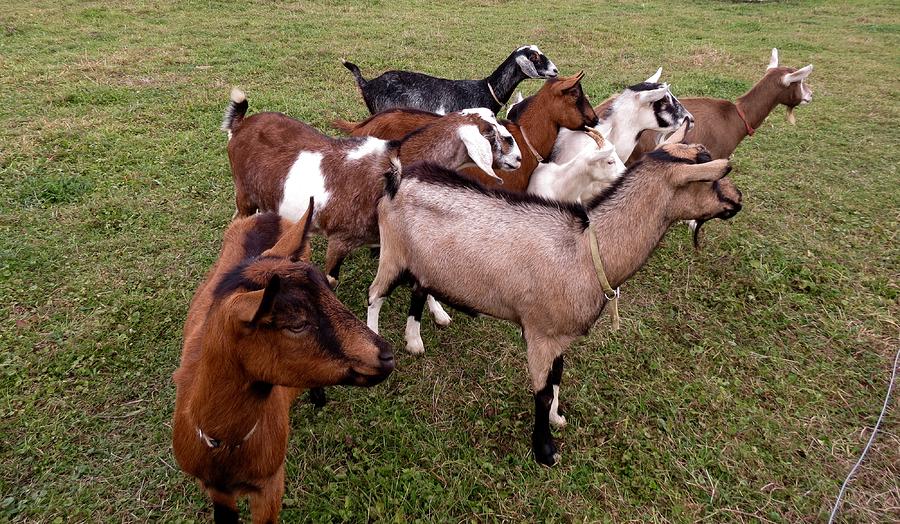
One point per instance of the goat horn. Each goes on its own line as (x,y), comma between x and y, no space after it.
(596,136)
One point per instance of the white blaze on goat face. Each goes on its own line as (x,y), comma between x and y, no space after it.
(370,146)
(304,180)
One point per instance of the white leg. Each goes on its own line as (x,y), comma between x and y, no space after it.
(332,282)
(441,317)
(414,344)
(372,313)
(691,224)
(556,419)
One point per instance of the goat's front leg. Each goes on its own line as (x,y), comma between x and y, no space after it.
(335,254)
(225,510)
(413,335)
(555,378)
(540,358)
(265,504)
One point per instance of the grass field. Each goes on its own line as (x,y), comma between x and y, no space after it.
(742,387)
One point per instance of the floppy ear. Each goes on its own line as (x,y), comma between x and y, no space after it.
(295,241)
(253,306)
(797,75)
(526,66)
(655,78)
(706,172)
(648,97)
(479,149)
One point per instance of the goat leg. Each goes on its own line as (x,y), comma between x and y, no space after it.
(541,439)
(318,397)
(413,336)
(556,418)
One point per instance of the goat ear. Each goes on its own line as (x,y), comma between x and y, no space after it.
(655,78)
(797,75)
(773,60)
(652,95)
(479,149)
(706,172)
(254,306)
(526,66)
(568,82)
(294,243)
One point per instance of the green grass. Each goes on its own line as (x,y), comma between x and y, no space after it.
(742,387)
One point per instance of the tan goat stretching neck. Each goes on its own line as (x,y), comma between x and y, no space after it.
(721,125)
(523,259)
(262,326)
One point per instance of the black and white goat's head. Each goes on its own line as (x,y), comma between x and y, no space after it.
(654,106)
(534,63)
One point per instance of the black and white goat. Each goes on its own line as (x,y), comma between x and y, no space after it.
(440,95)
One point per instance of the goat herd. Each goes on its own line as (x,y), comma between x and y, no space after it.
(534,220)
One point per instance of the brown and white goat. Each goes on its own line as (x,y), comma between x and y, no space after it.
(721,125)
(528,260)
(263,326)
(560,103)
(279,163)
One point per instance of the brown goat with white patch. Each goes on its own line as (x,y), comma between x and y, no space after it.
(721,125)
(560,103)
(529,260)
(279,163)
(262,326)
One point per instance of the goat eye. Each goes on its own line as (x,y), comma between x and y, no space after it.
(535,57)
(298,329)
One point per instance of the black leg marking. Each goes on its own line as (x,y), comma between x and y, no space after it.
(555,378)
(222,514)
(318,397)
(417,302)
(541,440)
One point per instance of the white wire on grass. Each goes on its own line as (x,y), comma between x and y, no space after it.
(837,503)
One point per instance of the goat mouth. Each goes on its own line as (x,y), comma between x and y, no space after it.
(509,167)
(357,378)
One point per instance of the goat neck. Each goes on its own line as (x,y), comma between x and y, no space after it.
(505,79)
(618,127)
(760,100)
(629,221)
(540,128)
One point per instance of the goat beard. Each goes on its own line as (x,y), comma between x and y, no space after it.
(696,237)
(790,116)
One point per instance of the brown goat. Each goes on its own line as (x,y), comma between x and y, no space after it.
(721,125)
(262,326)
(278,163)
(559,103)
(529,260)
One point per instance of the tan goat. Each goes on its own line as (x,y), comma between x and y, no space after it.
(528,260)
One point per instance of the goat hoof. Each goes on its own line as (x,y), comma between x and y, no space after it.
(318,397)
(557,421)
(415,347)
(442,320)
(546,453)
(332,282)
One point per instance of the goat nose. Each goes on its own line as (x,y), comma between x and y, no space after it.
(387,361)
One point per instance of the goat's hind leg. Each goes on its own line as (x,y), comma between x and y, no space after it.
(441,317)
(542,354)
(389,275)
(556,419)
(335,254)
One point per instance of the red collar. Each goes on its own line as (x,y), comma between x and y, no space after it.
(750,129)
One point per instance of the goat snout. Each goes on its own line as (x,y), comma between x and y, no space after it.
(512,164)
(553,72)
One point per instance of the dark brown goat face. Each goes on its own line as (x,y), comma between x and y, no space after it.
(290,329)
(701,191)
(570,107)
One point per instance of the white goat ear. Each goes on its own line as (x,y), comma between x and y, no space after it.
(707,172)
(647,97)
(479,149)
(526,66)
(655,78)
(797,75)
(773,60)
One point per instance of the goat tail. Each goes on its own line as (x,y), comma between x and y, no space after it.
(392,175)
(235,111)
(344,125)
(360,81)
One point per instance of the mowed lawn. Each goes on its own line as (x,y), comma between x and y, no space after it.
(742,387)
